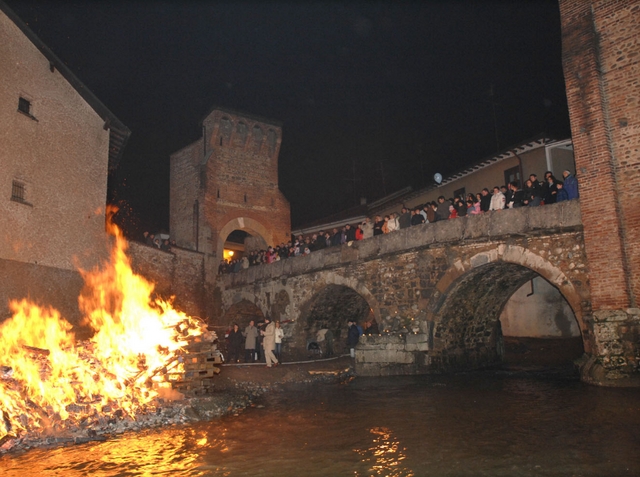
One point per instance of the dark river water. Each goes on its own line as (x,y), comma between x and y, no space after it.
(476,424)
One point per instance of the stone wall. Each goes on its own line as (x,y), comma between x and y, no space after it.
(178,273)
(44,286)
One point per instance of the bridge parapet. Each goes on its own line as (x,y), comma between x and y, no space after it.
(559,217)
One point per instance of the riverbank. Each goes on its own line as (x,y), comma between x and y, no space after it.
(236,388)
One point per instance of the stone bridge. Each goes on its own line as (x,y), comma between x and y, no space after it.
(436,290)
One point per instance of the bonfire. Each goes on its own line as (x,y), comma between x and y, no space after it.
(50,382)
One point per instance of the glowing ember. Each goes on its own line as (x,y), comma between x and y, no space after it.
(48,381)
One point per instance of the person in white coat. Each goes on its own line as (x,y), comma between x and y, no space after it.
(279,336)
(269,342)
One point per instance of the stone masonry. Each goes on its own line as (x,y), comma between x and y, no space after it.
(436,290)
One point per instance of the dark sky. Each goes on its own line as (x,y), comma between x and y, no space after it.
(396,90)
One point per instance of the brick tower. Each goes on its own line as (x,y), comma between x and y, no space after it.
(601,52)
(227,181)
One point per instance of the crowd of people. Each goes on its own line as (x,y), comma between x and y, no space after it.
(163,244)
(534,193)
(262,341)
(256,342)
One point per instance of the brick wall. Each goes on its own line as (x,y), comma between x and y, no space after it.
(58,153)
(232,173)
(600,58)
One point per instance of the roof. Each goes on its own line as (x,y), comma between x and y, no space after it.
(507,153)
(118,132)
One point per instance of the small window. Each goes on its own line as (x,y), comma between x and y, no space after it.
(511,175)
(459,193)
(18,192)
(24,106)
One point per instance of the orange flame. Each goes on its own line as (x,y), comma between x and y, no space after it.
(46,376)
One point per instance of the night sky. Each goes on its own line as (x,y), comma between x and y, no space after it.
(393,90)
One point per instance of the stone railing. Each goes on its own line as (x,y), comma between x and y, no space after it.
(522,221)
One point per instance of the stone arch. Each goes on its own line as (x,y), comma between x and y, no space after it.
(242,311)
(331,306)
(470,296)
(246,224)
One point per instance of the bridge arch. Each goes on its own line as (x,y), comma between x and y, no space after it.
(331,307)
(471,295)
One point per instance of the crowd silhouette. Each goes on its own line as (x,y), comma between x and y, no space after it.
(535,193)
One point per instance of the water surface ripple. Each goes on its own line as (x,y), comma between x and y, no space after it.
(475,424)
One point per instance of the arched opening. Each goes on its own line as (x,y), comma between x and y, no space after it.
(488,315)
(331,309)
(238,238)
(539,327)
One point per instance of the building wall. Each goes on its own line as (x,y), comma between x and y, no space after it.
(533,161)
(186,197)
(243,167)
(232,173)
(600,51)
(59,154)
(538,310)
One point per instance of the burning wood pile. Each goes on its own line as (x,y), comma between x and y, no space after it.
(52,387)
(200,365)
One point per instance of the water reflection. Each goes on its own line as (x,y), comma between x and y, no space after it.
(470,425)
(169,452)
(385,456)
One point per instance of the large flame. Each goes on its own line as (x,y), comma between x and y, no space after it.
(47,379)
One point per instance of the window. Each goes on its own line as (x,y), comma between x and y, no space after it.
(19,192)
(513,174)
(459,193)
(24,106)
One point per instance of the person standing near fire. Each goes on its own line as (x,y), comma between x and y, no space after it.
(250,334)
(269,342)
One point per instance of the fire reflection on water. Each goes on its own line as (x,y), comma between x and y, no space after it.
(385,455)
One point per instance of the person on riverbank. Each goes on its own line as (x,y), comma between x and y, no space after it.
(250,336)
(279,338)
(235,341)
(269,342)
(353,336)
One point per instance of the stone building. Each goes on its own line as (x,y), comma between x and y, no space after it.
(225,182)
(58,143)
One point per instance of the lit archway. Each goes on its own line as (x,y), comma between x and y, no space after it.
(247,225)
